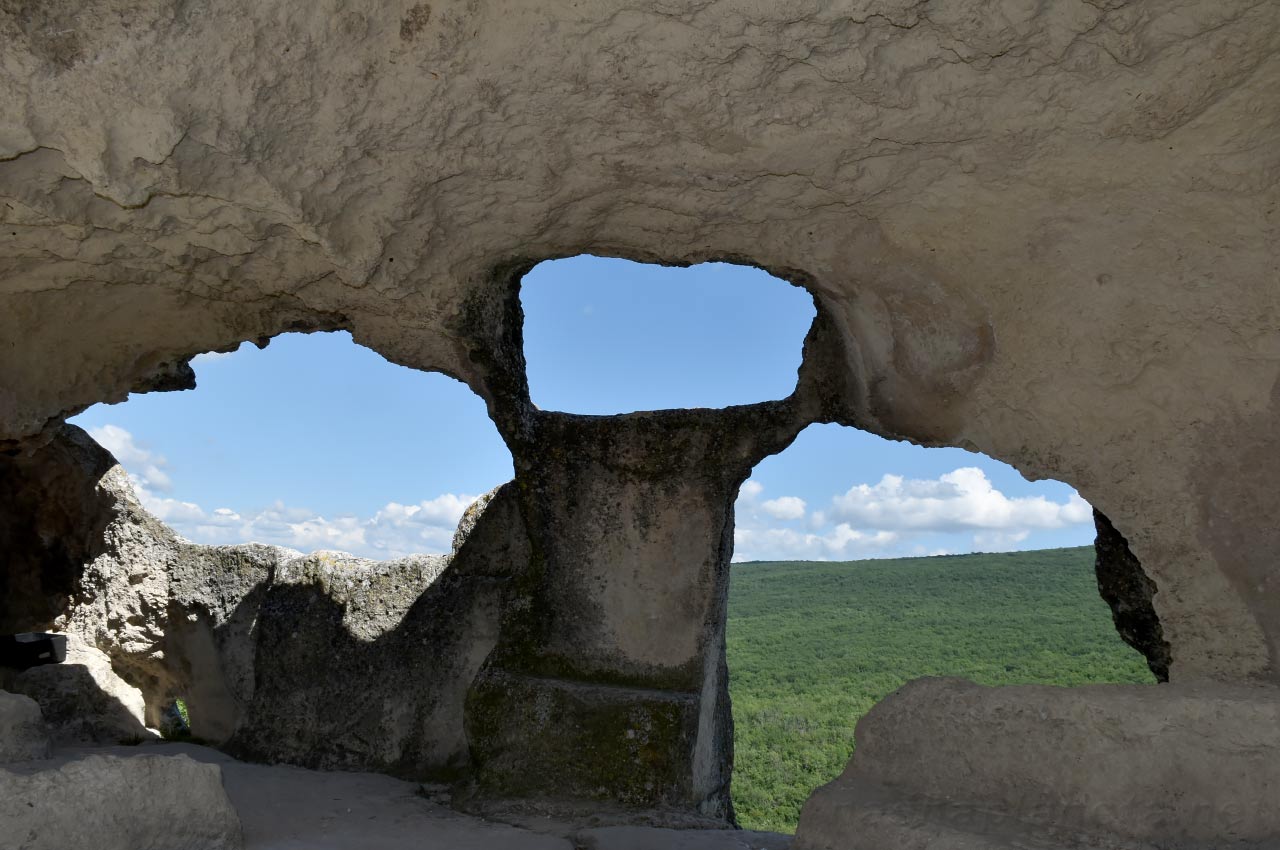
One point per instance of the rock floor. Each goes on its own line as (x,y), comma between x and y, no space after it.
(291,808)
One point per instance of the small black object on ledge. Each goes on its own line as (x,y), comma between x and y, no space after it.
(31,649)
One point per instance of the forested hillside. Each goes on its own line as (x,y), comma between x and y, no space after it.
(813,645)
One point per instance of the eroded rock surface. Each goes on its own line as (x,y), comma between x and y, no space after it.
(609,673)
(290,808)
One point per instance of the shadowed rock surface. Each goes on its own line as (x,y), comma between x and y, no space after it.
(149,802)
(642,838)
(83,699)
(1129,591)
(49,538)
(23,736)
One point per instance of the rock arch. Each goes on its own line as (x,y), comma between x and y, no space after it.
(1044,233)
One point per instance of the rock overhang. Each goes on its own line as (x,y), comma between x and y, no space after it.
(1044,233)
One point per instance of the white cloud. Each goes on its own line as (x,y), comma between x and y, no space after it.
(896,517)
(926,552)
(957,501)
(393,531)
(784,508)
(1077,511)
(839,543)
(999,541)
(211,356)
(757,539)
(171,511)
(442,510)
(144,466)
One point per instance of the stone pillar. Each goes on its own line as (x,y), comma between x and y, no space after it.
(609,678)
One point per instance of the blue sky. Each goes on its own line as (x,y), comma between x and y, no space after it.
(317,443)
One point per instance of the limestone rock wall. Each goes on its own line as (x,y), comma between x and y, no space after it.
(545,657)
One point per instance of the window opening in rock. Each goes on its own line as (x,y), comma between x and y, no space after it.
(175,721)
(862,563)
(313,442)
(356,473)
(605,335)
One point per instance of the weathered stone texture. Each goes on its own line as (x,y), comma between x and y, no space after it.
(615,640)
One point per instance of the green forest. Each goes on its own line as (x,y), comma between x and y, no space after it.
(813,645)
